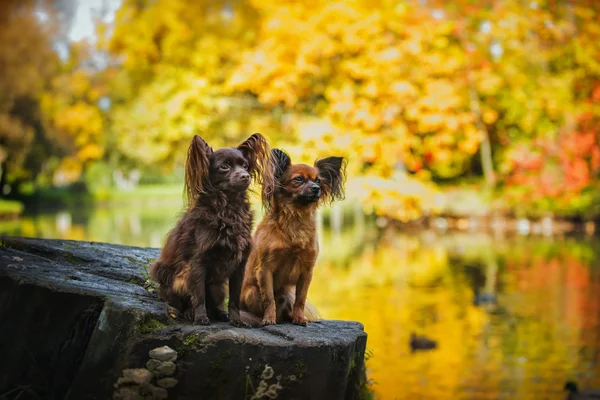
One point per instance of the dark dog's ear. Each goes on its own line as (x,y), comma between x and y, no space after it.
(332,171)
(257,151)
(281,162)
(196,170)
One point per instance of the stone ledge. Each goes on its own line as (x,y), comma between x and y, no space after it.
(74,315)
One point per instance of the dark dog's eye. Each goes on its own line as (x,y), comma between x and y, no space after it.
(298,179)
(224,167)
(245,166)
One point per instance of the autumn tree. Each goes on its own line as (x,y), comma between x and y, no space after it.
(72,115)
(547,132)
(425,86)
(26,60)
(175,57)
(414,94)
(382,78)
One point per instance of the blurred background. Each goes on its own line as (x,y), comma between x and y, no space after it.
(471,128)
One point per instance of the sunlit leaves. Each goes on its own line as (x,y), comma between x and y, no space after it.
(559,170)
(26,62)
(176,56)
(384,82)
(391,86)
(72,116)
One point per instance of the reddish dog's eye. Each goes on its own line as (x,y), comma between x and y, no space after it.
(298,179)
(317,180)
(224,167)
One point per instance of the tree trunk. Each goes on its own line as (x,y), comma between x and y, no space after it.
(2,177)
(485,147)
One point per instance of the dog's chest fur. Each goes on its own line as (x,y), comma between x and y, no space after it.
(289,239)
(231,227)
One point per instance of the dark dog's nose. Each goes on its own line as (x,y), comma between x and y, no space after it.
(244,176)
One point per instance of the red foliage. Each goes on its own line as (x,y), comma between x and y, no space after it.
(559,168)
(596,93)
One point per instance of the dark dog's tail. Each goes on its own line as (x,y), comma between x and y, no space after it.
(158,271)
(164,274)
(250,319)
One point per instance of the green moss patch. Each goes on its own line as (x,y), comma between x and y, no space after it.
(150,325)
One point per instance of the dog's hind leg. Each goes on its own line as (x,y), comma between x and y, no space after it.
(176,304)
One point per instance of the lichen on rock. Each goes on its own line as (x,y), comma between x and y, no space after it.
(164,353)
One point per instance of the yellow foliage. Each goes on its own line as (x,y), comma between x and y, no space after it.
(380,86)
(388,85)
(401,197)
(68,171)
(90,151)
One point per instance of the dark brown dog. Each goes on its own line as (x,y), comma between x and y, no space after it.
(280,266)
(208,248)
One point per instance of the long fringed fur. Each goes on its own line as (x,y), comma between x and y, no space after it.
(196,170)
(258,152)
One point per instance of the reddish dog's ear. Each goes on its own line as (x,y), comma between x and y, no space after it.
(281,162)
(257,150)
(332,171)
(196,170)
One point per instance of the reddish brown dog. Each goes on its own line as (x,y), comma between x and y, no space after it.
(280,266)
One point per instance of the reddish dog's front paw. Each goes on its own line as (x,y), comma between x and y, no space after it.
(239,323)
(299,321)
(268,321)
(298,317)
(201,320)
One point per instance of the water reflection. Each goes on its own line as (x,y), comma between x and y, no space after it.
(513,318)
(139,225)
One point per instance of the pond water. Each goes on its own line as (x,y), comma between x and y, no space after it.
(541,327)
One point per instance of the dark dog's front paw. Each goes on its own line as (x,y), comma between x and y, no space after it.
(188,315)
(299,321)
(221,316)
(239,324)
(201,320)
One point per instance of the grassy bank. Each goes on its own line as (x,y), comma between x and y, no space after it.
(10,209)
(456,201)
(77,196)
(172,192)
